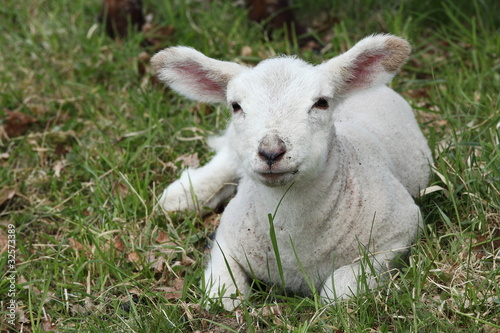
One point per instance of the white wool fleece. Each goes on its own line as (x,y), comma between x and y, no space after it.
(340,150)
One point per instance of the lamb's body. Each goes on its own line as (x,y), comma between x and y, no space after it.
(327,219)
(343,172)
(383,122)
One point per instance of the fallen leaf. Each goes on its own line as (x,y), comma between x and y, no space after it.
(432,189)
(186,261)
(212,220)
(17,123)
(194,310)
(119,244)
(156,36)
(162,237)
(6,194)
(3,238)
(118,15)
(178,283)
(495,243)
(489,242)
(157,263)
(279,15)
(135,291)
(173,292)
(120,189)
(21,316)
(159,257)
(168,165)
(144,57)
(143,62)
(76,244)
(190,160)
(61,150)
(246,51)
(202,109)
(133,257)
(48,326)
(421,93)
(79,309)
(58,167)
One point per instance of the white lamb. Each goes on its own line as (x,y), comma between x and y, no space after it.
(340,150)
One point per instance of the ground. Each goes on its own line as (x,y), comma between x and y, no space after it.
(89,139)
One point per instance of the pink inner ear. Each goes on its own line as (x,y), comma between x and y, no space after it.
(200,78)
(364,69)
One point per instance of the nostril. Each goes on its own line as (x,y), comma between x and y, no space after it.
(271,156)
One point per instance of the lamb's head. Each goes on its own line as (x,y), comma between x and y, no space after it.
(282,109)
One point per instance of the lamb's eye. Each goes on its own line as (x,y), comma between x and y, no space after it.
(236,107)
(321,104)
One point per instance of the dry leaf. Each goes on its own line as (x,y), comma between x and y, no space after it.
(120,189)
(162,237)
(119,244)
(158,263)
(61,150)
(194,310)
(48,326)
(6,194)
(279,15)
(58,167)
(117,15)
(4,240)
(21,316)
(143,62)
(246,51)
(144,57)
(186,261)
(156,36)
(133,257)
(212,220)
(17,123)
(173,292)
(78,309)
(488,242)
(431,189)
(76,244)
(190,160)
(178,283)
(168,165)
(495,242)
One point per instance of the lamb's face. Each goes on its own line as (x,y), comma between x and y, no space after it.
(283,107)
(282,115)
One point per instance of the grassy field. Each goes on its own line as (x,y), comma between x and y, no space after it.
(88,140)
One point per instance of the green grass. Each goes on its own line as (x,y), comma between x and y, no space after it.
(80,185)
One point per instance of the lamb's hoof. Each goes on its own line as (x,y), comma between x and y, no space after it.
(176,198)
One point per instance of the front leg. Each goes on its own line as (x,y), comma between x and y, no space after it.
(207,186)
(360,276)
(225,280)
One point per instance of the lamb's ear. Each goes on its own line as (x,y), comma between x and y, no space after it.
(371,62)
(193,74)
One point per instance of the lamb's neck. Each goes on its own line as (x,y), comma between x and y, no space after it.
(311,199)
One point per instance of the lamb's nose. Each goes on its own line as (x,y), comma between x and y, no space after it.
(271,157)
(272,150)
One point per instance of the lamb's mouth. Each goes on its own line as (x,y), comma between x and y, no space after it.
(275,174)
(274,178)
